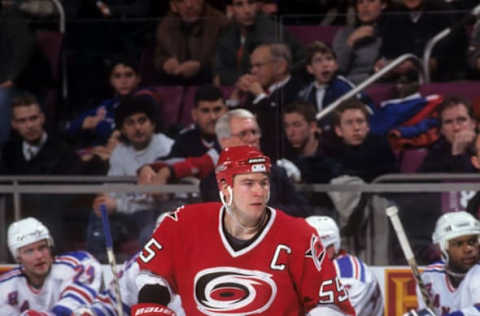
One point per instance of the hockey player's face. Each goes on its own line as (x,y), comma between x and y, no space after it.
(463,252)
(36,259)
(250,195)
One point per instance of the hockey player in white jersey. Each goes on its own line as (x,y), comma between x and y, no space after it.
(44,285)
(454,282)
(105,303)
(361,284)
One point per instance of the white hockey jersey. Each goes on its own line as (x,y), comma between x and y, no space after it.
(74,280)
(465,300)
(361,284)
(105,303)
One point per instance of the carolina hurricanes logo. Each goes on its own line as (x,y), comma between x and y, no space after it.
(233,291)
(316,252)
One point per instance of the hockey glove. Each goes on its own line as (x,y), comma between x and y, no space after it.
(151,309)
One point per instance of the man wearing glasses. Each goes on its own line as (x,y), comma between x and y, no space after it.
(235,128)
(265,90)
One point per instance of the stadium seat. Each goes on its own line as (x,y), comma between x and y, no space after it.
(170,98)
(411,159)
(306,34)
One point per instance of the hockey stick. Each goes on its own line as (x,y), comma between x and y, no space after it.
(111,258)
(392,213)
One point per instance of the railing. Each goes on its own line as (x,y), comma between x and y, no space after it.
(388,68)
(376,233)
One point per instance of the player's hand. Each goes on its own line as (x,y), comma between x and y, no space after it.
(422,312)
(461,141)
(151,309)
(146,175)
(107,200)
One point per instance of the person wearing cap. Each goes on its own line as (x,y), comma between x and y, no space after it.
(240,256)
(361,283)
(132,214)
(44,284)
(453,282)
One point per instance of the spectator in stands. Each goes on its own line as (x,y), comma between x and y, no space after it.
(409,31)
(314,12)
(35,152)
(473,206)
(94,127)
(234,128)
(327,86)
(458,130)
(474,50)
(185,42)
(357,47)
(304,137)
(198,138)
(248,29)
(16,48)
(358,152)
(130,212)
(267,88)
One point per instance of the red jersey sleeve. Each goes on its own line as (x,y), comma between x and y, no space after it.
(320,280)
(157,256)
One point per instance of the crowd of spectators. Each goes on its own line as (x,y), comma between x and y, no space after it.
(255,83)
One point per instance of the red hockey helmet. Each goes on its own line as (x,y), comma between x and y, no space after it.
(238,160)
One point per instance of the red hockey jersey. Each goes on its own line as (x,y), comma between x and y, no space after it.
(285,271)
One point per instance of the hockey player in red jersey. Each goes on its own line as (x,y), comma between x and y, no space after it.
(238,257)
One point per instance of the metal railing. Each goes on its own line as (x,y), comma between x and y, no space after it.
(385,70)
(20,185)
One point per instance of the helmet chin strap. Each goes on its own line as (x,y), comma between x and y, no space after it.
(228,207)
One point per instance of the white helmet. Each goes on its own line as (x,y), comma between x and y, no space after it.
(452,225)
(327,229)
(25,232)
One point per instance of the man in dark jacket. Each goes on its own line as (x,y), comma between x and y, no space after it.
(458,130)
(248,30)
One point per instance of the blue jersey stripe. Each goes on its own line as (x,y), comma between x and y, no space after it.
(76,298)
(362,270)
(61,311)
(345,265)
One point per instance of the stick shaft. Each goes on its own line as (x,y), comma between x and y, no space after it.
(392,213)
(111,258)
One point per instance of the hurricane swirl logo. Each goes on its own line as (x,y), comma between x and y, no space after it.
(233,291)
